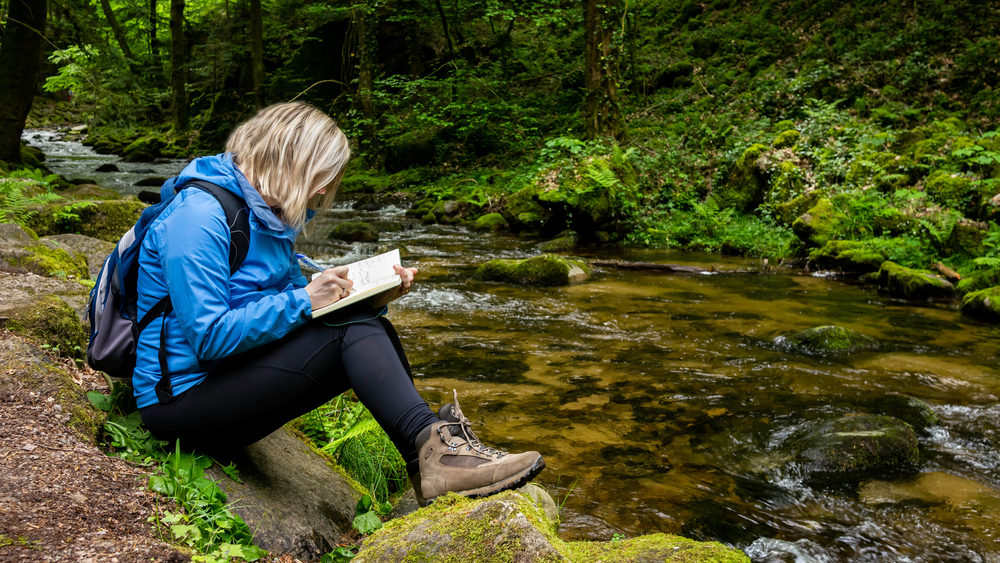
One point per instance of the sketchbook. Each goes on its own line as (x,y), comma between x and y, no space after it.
(371,276)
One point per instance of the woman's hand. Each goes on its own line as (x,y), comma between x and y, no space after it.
(330,286)
(407,275)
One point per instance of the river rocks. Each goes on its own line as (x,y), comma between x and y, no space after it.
(910,410)
(19,252)
(107,167)
(817,226)
(859,447)
(907,283)
(547,269)
(562,243)
(96,250)
(295,503)
(355,231)
(152,181)
(848,256)
(823,339)
(367,202)
(490,222)
(983,304)
(510,527)
(89,192)
(106,220)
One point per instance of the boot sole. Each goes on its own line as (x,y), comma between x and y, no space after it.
(513,482)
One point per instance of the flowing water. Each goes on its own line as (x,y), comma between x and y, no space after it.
(667,403)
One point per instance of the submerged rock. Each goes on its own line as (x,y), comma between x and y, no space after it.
(511,527)
(547,269)
(904,282)
(910,410)
(830,339)
(860,447)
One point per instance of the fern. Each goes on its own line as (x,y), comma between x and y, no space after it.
(14,202)
(354,431)
(987,263)
(604,178)
(942,228)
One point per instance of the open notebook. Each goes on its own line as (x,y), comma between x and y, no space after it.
(371,276)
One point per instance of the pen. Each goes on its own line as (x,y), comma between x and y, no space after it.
(309,262)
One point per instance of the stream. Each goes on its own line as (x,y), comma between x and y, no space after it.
(665,403)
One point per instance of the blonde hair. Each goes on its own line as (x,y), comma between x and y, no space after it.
(288,151)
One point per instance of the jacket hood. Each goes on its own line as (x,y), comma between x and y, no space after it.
(221,170)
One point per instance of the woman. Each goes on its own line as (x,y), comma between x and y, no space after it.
(242,352)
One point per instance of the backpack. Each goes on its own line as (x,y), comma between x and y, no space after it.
(112,309)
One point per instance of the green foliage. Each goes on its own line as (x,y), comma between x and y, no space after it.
(366,520)
(16,197)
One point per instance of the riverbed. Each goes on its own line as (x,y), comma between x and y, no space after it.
(665,403)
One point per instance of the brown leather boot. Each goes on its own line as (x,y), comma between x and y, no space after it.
(453,459)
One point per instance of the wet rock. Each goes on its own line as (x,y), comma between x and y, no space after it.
(490,222)
(22,252)
(388,226)
(90,192)
(144,149)
(96,250)
(149,197)
(547,269)
(910,410)
(855,448)
(907,283)
(511,527)
(983,304)
(848,256)
(824,339)
(367,203)
(788,212)
(106,220)
(107,167)
(295,503)
(153,181)
(144,171)
(355,231)
(560,244)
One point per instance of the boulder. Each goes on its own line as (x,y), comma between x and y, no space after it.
(907,283)
(355,231)
(20,253)
(144,149)
(910,410)
(853,448)
(983,304)
(586,195)
(96,250)
(90,192)
(819,225)
(105,220)
(490,222)
(107,167)
(511,527)
(547,269)
(152,181)
(296,502)
(745,183)
(848,256)
(787,213)
(825,339)
(560,244)
(46,319)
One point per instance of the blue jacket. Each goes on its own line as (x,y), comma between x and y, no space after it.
(185,253)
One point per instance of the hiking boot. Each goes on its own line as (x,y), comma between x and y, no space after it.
(453,459)
(447,412)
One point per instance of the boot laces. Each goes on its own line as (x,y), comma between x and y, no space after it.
(464,430)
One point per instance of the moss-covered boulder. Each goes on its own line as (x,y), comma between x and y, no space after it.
(893,222)
(105,220)
(523,203)
(786,184)
(900,281)
(547,269)
(860,447)
(786,213)
(510,527)
(918,414)
(144,149)
(966,239)
(20,252)
(826,339)
(51,322)
(848,256)
(490,222)
(96,250)
(983,304)
(819,225)
(745,185)
(355,231)
(588,194)
(953,190)
(562,243)
(978,280)
(89,192)
(786,139)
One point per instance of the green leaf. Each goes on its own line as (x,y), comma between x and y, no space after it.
(364,505)
(366,523)
(100,400)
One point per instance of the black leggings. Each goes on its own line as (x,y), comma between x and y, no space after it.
(252,394)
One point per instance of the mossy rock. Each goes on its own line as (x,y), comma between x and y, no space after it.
(983,304)
(51,322)
(144,149)
(819,225)
(581,197)
(745,185)
(854,448)
(511,527)
(21,252)
(893,222)
(953,190)
(490,222)
(978,280)
(547,269)
(355,231)
(531,220)
(787,213)
(786,184)
(388,226)
(786,139)
(918,414)
(966,239)
(826,339)
(560,244)
(449,209)
(90,192)
(105,220)
(848,256)
(523,202)
(900,281)
(152,181)
(361,182)
(429,218)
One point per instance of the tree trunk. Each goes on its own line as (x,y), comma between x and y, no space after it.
(602,113)
(117,30)
(444,23)
(366,81)
(154,43)
(178,64)
(257,52)
(20,59)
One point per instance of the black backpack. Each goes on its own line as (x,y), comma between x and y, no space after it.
(114,328)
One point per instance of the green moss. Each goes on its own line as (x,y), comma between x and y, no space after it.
(45,259)
(490,222)
(589,192)
(818,225)
(547,269)
(848,256)
(978,280)
(910,410)
(787,213)
(830,339)
(105,220)
(983,304)
(786,139)
(523,201)
(907,283)
(429,218)
(363,181)
(858,447)
(953,190)
(50,321)
(745,186)
(561,244)
(653,547)
(144,149)
(892,222)
(355,231)
(786,184)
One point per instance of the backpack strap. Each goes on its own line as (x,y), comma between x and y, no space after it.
(239,245)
